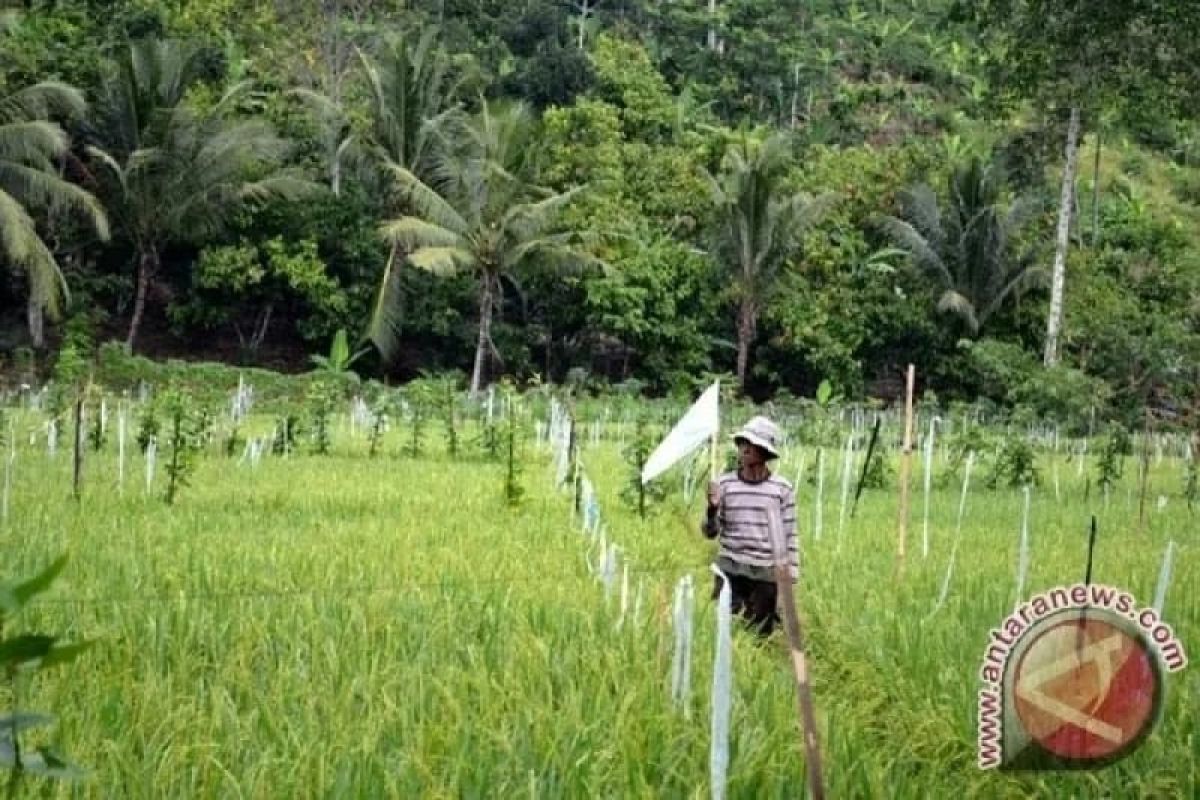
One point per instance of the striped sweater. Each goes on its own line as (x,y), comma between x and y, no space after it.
(740,522)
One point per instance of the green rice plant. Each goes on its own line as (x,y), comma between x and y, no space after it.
(463,649)
(22,657)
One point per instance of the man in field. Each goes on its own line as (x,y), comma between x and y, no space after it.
(737,517)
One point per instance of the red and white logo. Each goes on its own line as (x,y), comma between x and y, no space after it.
(1085,689)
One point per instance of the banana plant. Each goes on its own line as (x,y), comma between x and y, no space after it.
(337,364)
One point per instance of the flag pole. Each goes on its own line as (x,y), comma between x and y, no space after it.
(712,449)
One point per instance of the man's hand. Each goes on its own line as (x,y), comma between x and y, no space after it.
(714,495)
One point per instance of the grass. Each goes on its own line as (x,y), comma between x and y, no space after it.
(349,627)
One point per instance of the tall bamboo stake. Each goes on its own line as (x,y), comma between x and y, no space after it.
(791,624)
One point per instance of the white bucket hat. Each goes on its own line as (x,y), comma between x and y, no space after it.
(762,432)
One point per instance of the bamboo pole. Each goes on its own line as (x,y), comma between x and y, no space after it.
(905,468)
(791,624)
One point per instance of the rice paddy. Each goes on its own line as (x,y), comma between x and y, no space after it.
(308,626)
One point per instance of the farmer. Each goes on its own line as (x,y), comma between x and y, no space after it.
(737,514)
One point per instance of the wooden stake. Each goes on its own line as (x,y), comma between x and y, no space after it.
(791,624)
(78,461)
(905,467)
(1145,477)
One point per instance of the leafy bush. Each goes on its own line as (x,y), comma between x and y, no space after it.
(1014,465)
(211,383)
(1011,374)
(1111,464)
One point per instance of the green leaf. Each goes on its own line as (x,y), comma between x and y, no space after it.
(824,392)
(13,597)
(21,721)
(339,352)
(64,654)
(21,649)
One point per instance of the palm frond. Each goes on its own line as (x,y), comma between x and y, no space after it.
(34,143)
(922,252)
(1027,277)
(529,220)
(320,105)
(37,189)
(955,303)
(413,233)
(384,325)
(442,261)
(24,249)
(920,208)
(424,201)
(42,101)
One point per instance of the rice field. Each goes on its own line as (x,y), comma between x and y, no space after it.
(337,625)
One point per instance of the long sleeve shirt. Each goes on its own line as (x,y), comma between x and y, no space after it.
(740,525)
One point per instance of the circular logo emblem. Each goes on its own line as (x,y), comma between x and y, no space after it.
(1087,688)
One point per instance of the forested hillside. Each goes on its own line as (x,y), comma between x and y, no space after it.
(626,191)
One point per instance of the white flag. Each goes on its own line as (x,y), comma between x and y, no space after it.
(695,427)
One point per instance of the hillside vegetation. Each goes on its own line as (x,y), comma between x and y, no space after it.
(616,191)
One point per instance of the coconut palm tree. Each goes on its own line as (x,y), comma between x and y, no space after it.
(171,173)
(31,148)
(481,214)
(412,91)
(758,226)
(970,249)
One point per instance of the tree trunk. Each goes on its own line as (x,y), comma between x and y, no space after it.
(712,25)
(260,329)
(1054,320)
(146,272)
(37,323)
(486,291)
(795,95)
(746,326)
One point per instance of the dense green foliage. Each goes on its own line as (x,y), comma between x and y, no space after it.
(786,191)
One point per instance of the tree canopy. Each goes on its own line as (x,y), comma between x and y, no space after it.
(639,193)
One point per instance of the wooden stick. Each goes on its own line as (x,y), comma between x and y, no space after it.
(905,468)
(712,457)
(78,460)
(791,624)
(866,465)
(1145,476)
